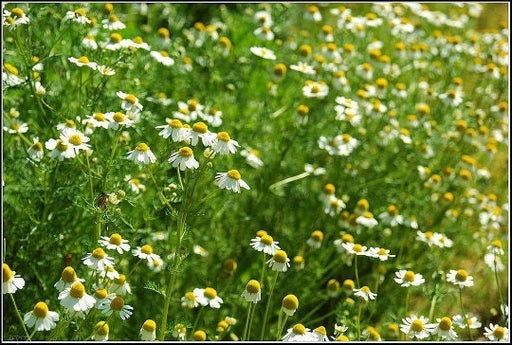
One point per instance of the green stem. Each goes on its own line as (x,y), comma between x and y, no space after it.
(289,179)
(247,321)
(356,271)
(268,306)
(19,317)
(196,322)
(464,313)
(359,321)
(498,284)
(280,325)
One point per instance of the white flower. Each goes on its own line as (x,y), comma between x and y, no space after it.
(184,159)
(162,57)
(231,180)
(224,144)
(263,53)
(75,299)
(365,293)
(120,286)
(130,102)
(417,327)
(16,126)
(252,292)
(113,23)
(68,277)
(77,16)
(59,149)
(100,331)
(83,61)
(36,150)
(470,321)
(494,262)
(366,219)
(303,68)
(76,139)
(142,154)
(89,42)
(41,318)
(174,129)
(279,261)
(445,329)
(117,119)
(12,281)
(145,253)
(208,297)
(299,333)
(313,89)
(252,157)
(189,300)
(148,330)
(200,130)
(116,242)
(496,332)
(98,259)
(105,70)
(355,248)
(459,278)
(10,75)
(115,304)
(381,253)
(408,278)
(265,243)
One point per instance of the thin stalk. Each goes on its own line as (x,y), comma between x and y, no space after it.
(196,322)
(359,321)
(250,310)
(356,271)
(464,313)
(268,306)
(280,325)
(20,318)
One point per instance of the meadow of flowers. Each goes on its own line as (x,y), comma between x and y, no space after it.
(277,171)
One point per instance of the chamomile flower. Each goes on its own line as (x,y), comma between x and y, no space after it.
(468,321)
(16,126)
(366,219)
(145,253)
(98,259)
(365,293)
(263,18)
(381,253)
(41,318)
(445,329)
(315,240)
(115,305)
(333,288)
(14,18)
(12,281)
(355,248)
(494,262)
(263,53)
(138,43)
(459,278)
(408,278)
(89,42)
(75,299)
(59,149)
(141,154)
(113,23)
(120,286)
(264,32)
(314,89)
(75,139)
(252,157)
(417,327)
(115,42)
(299,333)
(231,180)
(97,120)
(148,330)
(495,332)
(130,102)
(10,75)
(279,261)
(208,297)
(290,304)
(189,300)
(68,277)
(224,144)
(391,216)
(101,330)
(135,185)
(35,151)
(200,130)
(162,57)
(184,159)
(197,249)
(174,129)
(265,243)
(118,119)
(303,68)
(252,292)
(83,61)
(115,242)
(77,16)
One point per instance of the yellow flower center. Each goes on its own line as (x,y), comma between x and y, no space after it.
(234,174)
(417,325)
(317,236)
(143,147)
(333,285)
(163,32)
(299,329)
(253,286)
(101,328)
(75,139)
(15,125)
(200,127)
(199,335)
(40,310)
(224,136)
(349,284)
(37,146)
(18,12)
(192,104)
(115,38)
(280,256)
(499,332)
(68,275)
(261,233)
(164,53)
(117,304)
(101,293)
(290,302)
(461,275)
(77,290)
(329,189)
(302,110)
(347,238)
(315,89)
(190,296)
(130,98)
(8,275)
(99,117)
(11,69)
(497,244)
(146,249)
(149,325)
(210,293)
(138,40)
(118,117)
(267,240)
(225,42)
(83,59)
(230,265)
(365,289)
(382,251)
(98,253)
(185,152)
(409,276)
(445,324)
(115,239)
(121,280)
(80,12)
(174,123)
(61,146)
